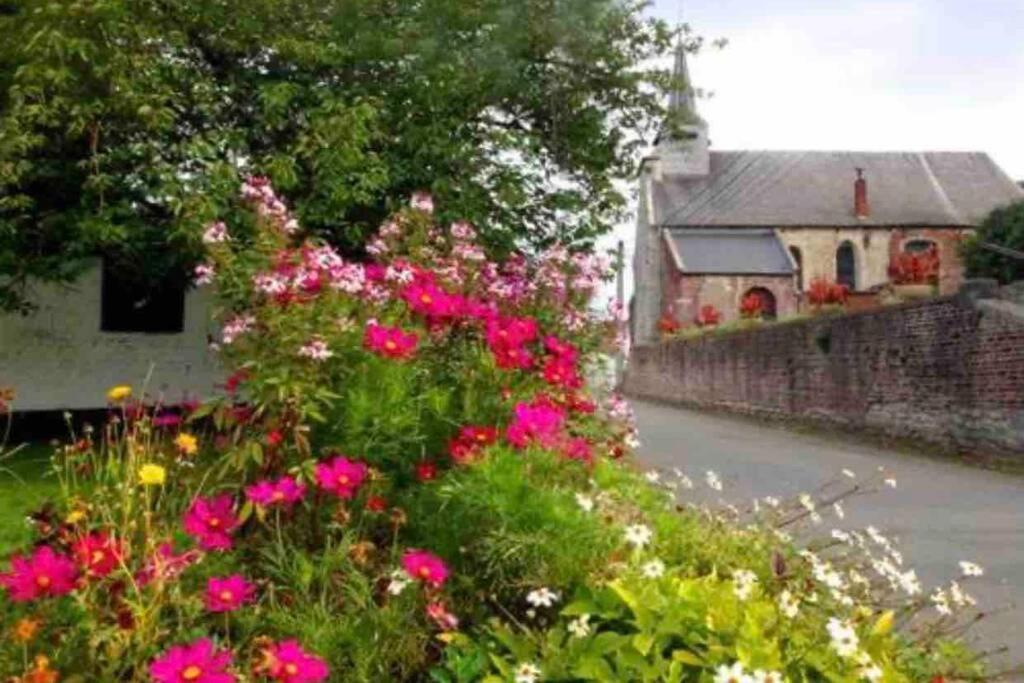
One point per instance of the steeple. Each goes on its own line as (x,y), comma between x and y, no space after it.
(683,147)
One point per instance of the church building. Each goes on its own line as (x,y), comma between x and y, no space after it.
(716,226)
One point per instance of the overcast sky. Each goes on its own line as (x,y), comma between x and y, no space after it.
(862,74)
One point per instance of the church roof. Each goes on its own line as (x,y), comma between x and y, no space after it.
(702,251)
(768,188)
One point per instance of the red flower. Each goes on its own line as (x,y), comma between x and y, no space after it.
(228,594)
(708,316)
(211,521)
(561,373)
(97,554)
(44,574)
(562,350)
(578,449)
(341,476)
(751,306)
(195,663)
(390,342)
(376,504)
(426,471)
(426,567)
(513,358)
(289,663)
(274,438)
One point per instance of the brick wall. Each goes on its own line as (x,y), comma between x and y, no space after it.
(949,371)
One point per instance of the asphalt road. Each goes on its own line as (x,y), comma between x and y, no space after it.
(941,511)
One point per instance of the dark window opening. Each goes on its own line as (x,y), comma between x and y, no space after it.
(798,258)
(128,306)
(846,266)
(918,246)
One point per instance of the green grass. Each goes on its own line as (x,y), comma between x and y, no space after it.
(25,483)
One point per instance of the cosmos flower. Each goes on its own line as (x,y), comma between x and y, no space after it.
(43,574)
(98,554)
(228,594)
(426,567)
(211,521)
(287,662)
(285,491)
(199,662)
(390,342)
(341,476)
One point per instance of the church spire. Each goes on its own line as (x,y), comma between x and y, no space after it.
(681,100)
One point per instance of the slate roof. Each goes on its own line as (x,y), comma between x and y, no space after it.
(738,251)
(768,188)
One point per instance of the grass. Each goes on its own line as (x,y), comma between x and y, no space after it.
(25,483)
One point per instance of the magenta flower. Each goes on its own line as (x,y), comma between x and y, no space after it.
(97,554)
(44,574)
(537,422)
(289,663)
(390,342)
(578,449)
(211,521)
(341,476)
(285,491)
(425,567)
(195,663)
(228,593)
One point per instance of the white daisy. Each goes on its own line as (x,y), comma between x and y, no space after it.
(971,569)
(580,626)
(542,597)
(638,535)
(654,569)
(732,674)
(527,673)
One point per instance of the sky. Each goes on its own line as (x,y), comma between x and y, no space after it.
(898,75)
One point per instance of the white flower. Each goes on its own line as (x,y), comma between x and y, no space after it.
(542,597)
(909,582)
(638,535)
(789,605)
(762,676)
(849,474)
(654,569)
(941,602)
(960,598)
(316,349)
(398,583)
(840,535)
(585,502)
(890,482)
(971,569)
(204,274)
(732,674)
(840,512)
(871,673)
(713,481)
(844,638)
(580,626)
(527,673)
(744,581)
(422,201)
(652,476)
(807,502)
(772,501)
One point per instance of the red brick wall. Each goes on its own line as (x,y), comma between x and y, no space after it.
(951,270)
(947,371)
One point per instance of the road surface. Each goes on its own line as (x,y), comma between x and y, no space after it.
(942,511)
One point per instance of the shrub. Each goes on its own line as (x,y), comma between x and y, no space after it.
(915,268)
(709,316)
(824,292)
(408,477)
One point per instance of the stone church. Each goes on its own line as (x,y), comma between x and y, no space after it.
(714,226)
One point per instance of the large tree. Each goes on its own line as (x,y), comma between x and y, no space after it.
(127,124)
(1004,227)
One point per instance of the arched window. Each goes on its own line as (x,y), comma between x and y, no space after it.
(918,246)
(768,308)
(798,259)
(846,266)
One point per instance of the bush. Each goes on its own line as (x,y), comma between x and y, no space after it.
(407,478)
(1003,227)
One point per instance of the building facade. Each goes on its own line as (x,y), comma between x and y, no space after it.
(836,215)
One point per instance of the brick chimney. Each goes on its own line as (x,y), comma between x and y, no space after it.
(861,208)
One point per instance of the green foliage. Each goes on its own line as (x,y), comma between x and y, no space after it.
(125,125)
(1004,227)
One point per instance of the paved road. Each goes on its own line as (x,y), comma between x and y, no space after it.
(942,511)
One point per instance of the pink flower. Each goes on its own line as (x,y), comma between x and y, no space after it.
(165,564)
(562,350)
(390,342)
(284,491)
(228,594)
(316,349)
(510,332)
(422,201)
(439,614)
(204,274)
(578,449)
(97,554)
(211,521)
(289,663)
(425,567)
(44,574)
(341,476)
(538,422)
(216,233)
(560,372)
(195,663)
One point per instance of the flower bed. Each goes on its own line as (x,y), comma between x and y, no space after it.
(407,478)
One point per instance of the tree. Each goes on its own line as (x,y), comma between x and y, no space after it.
(1004,227)
(125,125)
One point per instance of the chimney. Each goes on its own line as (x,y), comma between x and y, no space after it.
(861,208)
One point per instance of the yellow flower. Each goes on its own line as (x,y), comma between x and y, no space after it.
(119,393)
(75,516)
(152,475)
(186,443)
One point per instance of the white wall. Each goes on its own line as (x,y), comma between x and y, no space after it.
(57,358)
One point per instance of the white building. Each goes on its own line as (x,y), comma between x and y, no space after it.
(86,337)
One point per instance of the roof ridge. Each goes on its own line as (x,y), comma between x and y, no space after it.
(940,190)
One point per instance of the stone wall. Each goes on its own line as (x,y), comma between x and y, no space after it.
(58,359)
(947,371)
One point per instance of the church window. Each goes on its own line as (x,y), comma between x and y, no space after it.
(846,266)
(918,246)
(798,259)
